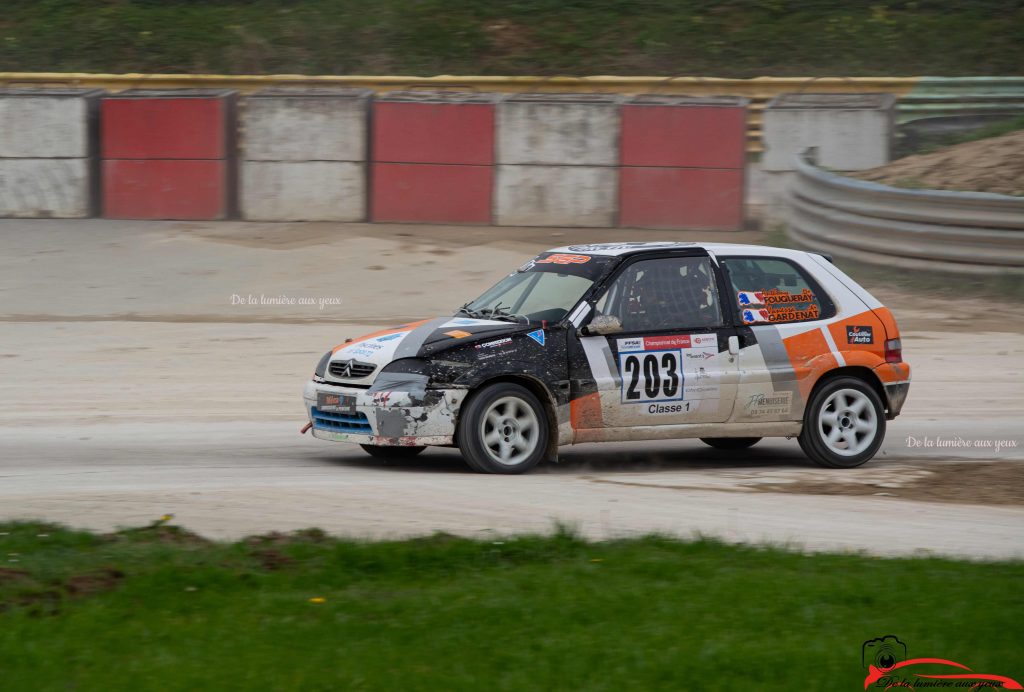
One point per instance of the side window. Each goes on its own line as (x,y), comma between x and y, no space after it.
(665,293)
(774,290)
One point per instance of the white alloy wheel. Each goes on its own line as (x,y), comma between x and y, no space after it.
(510,430)
(848,422)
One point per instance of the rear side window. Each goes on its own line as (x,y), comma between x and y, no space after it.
(772,290)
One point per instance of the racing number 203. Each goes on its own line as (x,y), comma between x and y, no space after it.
(651,377)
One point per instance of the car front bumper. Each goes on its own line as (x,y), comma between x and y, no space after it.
(386,418)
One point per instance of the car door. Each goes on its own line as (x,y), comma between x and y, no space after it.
(662,357)
(780,311)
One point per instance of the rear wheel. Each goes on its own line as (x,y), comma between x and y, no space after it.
(392,452)
(844,424)
(503,429)
(730,442)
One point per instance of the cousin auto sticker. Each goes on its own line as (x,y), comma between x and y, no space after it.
(860,335)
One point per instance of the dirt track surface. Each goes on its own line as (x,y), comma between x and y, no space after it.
(988,165)
(132,387)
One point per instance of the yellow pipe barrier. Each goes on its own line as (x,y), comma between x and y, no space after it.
(759,89)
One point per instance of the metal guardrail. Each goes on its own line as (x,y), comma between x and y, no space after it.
(962,232)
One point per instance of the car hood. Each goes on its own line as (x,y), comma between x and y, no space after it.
(416,339)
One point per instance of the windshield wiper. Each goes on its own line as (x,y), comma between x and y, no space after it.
(500,313)
(465,310)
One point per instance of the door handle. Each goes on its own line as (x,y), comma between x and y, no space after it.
(734,345)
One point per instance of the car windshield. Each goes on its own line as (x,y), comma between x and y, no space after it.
(544,289)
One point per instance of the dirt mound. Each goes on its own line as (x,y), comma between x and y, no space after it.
(987,165)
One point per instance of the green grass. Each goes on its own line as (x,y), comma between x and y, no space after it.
(997,129)
(729,38)
(156,609)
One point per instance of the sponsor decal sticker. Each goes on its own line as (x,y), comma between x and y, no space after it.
(537,336)
(774,404)
(634,344)
(334,402)
(457,334)
(661,343)
(859,335)
(560,258)
(494,344)
(391,337)
(608,247)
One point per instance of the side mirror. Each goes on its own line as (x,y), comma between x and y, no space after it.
(602,324)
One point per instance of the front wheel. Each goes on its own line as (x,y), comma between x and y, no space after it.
(391,452)
(503,429)
(844,424)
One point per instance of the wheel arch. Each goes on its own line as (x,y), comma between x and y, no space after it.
(536,387)
(858,371)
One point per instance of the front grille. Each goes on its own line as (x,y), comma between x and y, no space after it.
(355,423)
(350,369)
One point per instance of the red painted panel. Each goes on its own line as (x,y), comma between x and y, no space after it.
(431,194)
(163,128)
(681,198)
(163,189)
(684,136)
(454,133)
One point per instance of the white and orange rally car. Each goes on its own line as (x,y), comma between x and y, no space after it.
(627,341)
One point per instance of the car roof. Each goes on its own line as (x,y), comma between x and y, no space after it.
(717,249)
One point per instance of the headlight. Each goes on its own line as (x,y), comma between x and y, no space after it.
(321,367)
(409,366)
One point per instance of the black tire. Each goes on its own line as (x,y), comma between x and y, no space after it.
(730,442)
(814,436)
(394,453)
(525,435)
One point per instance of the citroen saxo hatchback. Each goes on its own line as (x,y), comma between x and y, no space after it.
(627,341)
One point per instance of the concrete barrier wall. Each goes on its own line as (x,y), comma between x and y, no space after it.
(168,154)
(558,157)
(47,152)
(852,132)
(433,157)
(304,155)
(415,157)
(683,162)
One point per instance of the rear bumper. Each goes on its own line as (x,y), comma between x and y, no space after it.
(389,418)
(895,378)
(896,394)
